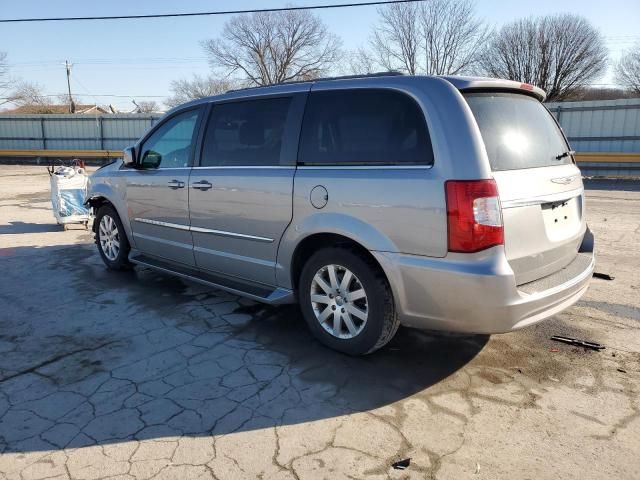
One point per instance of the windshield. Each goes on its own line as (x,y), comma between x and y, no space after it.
(518,131)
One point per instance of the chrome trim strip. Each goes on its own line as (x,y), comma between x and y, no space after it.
(554,197)
(177,226)
(246,167)
(188,228)
(365,167)
(159,169)
(231,234)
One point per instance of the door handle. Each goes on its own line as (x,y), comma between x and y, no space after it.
(202,185)
(175,184)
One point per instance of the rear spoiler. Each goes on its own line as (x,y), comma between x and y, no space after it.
(476,84)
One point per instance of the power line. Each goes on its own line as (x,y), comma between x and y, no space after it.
(200,14)
(40,66)
(62,94)
(112,61)
(78,82)
(116,96)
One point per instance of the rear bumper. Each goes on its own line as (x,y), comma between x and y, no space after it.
(477,293)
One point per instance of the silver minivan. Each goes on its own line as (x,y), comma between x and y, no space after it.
(445,203)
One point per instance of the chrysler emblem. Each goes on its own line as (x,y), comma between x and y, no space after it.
(564,180)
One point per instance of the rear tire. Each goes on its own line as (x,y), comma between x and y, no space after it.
(347,302)
(111,239)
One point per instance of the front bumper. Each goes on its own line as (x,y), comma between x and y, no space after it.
(477,293)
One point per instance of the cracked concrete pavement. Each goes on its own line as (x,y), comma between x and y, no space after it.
(140,375)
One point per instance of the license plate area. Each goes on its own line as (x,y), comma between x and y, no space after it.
(562,219)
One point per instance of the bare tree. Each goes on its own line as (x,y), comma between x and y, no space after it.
(184,90)
(600,93)
(4,71)
(5,80)
(146,106)
(559,53)
(358,62)
(273,47)
(435,37)
(452,36)
(628,70)
(396,38)
(28,94)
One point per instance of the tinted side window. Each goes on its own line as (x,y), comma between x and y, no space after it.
(245,133)
(171,145)
(364,127)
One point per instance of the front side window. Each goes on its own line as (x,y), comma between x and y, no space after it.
(171,145)
(246,133)
(364,127)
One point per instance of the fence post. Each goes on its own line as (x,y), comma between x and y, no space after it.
(44,139)
(559,115)
(101,128)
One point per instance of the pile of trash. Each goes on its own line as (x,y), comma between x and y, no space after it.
(68,192)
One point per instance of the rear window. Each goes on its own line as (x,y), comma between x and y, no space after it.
(518,131)
(364,127)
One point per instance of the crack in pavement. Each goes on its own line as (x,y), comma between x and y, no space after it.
(55,359)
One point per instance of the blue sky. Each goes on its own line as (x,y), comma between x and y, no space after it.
(137,58)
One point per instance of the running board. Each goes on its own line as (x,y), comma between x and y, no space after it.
(254,291)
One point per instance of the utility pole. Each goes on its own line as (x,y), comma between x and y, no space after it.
(72,106)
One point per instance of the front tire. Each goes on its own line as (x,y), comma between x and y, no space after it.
(347,302)
(111,239)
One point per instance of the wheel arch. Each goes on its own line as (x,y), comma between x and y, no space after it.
(333,228)
(97,201)
(314,242)
(101,196)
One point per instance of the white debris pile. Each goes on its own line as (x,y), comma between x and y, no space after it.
(68,191)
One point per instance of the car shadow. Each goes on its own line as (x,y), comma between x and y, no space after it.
(14,228)
(91,356)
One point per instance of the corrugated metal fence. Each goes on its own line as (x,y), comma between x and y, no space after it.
(602,126)
(72,132)
(606,132)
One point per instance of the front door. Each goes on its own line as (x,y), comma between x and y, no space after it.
(241,194)
(157,193)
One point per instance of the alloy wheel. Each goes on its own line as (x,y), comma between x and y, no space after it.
(339,301)
(109,237)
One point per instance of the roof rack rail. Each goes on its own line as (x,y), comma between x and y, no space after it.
(390,73)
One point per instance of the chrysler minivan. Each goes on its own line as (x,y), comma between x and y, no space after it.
(445,203)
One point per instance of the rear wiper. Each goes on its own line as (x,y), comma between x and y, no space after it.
(565,154)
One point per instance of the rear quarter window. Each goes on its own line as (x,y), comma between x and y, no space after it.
(364,127)
(518,131)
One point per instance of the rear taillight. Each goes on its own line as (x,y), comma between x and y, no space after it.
(474,218)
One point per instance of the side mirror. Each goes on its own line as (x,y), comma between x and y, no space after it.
(151,159)
(129,157)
